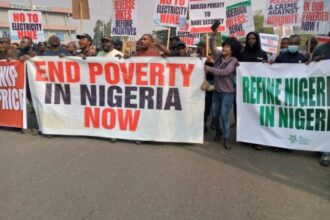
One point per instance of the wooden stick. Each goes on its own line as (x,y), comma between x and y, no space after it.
(207,45)
(168,37)
(279,41)
(309,43)
(81,15)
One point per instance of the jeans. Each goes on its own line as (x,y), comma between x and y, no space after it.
(221,106)
(325,154)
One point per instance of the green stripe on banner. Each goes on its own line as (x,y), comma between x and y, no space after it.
(246,3)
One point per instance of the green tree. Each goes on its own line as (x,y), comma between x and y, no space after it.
(259,23)
(101,29)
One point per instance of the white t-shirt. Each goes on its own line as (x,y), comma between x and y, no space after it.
(112,53)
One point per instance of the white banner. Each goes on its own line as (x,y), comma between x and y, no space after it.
(124,19)
(171,13)
(284,105)
(269,43)
(316,17)
(203,13)
(148,98)
(283,12)
(26,24)
(240,19)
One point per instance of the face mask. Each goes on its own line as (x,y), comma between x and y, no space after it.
(293,48)
(283,50)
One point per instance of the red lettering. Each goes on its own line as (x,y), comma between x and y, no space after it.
(31,34)
(112,77)
(140,73)
(157,73)
(172,68)
(72,72)
(92,117)
(186,73)
(55,71)
(94,69)
(127,74)
(40,73)
(169,18)
(109,118)
(130,119)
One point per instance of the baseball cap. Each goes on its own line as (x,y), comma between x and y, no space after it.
(84,35)
(180,44)
(106,37)
(5,40)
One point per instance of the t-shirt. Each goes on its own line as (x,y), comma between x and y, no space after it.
(57,52)
(323,50)
(288,57)
(10,54)
(112,53)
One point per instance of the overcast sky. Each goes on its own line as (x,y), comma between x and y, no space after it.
(102,9)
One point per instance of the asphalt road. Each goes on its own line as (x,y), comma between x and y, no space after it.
(78,178)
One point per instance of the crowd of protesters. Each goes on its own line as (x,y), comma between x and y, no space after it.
(220,65)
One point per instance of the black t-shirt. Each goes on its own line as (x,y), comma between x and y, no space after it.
(288,57)
(254,56)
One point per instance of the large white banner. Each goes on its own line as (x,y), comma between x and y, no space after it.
(283,12)
(125,18)
(26,24)
(148,98)
(284,105)
(203,13)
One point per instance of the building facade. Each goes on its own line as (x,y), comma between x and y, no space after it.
(56,20)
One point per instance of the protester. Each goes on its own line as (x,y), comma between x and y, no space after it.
(179,50)
(323,53)
(86,46)
(313,45)
(148,47)
(15,45)
(224,95)
(55,48)
(72,48)
(42,47)
(201,52)
(292,55)
(108,49)
(26,50)
(118,45)
(6,51)
(253,52)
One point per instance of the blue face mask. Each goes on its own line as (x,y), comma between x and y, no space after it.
(283,50)
(293,48)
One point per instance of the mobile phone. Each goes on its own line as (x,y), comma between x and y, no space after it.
(215,25)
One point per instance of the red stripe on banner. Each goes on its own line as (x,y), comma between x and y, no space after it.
(206,29)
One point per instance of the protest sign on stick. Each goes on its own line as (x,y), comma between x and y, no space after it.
(124,19)
(26,23)
(171,13)
(190,39)
(203,13)
(239,19)
(316,17)
(269,42)
(283,12)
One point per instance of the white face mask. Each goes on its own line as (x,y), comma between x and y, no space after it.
(293,48)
